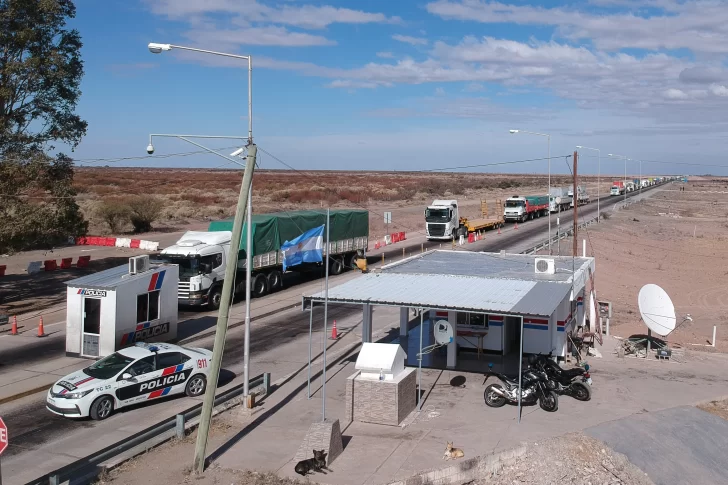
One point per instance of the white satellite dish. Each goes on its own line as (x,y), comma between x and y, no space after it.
(657,309)
(443,332)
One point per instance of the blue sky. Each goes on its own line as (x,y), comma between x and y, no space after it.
(409,85)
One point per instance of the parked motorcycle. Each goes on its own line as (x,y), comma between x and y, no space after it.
(574,382)
(533,385)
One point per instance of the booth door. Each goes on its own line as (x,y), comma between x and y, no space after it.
(91,327)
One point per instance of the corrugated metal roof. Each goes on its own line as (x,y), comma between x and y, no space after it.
(490,265)
(109,278)
(432,291)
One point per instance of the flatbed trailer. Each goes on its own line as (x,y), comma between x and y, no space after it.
(485,222)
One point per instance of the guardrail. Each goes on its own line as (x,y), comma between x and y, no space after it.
(86,469)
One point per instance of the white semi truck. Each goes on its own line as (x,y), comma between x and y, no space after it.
(560,199)
(442,220)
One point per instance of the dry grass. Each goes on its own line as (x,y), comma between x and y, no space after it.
(196,195)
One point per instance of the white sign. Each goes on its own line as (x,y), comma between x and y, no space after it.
(387,217)
(33,267)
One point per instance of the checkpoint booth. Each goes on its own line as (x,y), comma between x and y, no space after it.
(115,308)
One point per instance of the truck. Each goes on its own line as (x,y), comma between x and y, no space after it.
(202,256)
(645,183)
(443,221)
(560,199)
(630,186)
(521,208)
(617,188)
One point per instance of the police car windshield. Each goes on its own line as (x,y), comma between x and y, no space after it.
(109,366)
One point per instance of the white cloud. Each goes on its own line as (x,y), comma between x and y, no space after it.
(385,55)
(698,25)
(474,88)
(673,93)
(269,35)
(352,84)
(410,40)
(719,90)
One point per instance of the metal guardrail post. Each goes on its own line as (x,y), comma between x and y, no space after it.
(53,480)
(266,382)
(180,426)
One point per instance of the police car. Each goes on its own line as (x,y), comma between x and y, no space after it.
(132,375)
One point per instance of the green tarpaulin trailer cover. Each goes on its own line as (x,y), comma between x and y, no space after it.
(270,231)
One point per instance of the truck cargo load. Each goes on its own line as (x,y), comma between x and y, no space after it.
(521,208)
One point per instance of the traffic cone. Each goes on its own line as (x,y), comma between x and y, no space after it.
(334,333)
(41,333)
(14,328)
(499,230)
(516,228)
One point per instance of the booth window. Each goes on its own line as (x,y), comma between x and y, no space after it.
(148,306)
(472,319)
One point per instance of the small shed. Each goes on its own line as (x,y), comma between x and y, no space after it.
(115,308)
(380,361)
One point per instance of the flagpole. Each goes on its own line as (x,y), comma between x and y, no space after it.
(326,315)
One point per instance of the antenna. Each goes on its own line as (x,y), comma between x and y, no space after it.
(656,309)
(443,336)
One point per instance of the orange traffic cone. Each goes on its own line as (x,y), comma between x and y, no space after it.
(499,230)
(516,228)
(14,328)
(41,333)
(334,333)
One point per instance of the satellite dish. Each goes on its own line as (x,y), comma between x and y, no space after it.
(657,309)
(443,332)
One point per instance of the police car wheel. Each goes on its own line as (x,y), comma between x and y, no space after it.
(196,386)
(101,408)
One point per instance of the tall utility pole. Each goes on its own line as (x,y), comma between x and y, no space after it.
(576,205)
(224,313)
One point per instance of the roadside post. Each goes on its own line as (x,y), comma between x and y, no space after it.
(387,220)
(3,444)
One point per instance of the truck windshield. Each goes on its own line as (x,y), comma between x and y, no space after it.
(437,215)
(514,203)
(188,267)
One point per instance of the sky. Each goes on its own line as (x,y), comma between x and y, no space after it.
(411,85)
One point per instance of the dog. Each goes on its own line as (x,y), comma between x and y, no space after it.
(316,464)
(452,453)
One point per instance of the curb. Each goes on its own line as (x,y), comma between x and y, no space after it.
(479,467)
(25,393)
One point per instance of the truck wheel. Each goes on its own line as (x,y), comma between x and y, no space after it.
(275,280)
(336,267)
(351,261)
(214,297)
(260,285)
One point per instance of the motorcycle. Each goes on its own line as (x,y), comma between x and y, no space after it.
(534,389)
(574,382)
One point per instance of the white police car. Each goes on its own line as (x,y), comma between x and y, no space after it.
(130,376)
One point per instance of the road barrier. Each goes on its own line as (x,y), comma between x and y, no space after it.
(87,469)
(119,242)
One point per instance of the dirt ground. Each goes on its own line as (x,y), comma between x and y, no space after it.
(719,408)
(677,240)
(572,459)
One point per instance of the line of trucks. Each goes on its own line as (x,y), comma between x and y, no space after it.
(202,255)
(620,186)
(443,221)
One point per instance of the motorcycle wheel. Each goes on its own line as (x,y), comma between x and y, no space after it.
(580,391)
(492,398)
(549,402)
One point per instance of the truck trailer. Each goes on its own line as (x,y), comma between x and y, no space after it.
(617,188)
(521,208)
(560,199)
(202,256)
(443,221)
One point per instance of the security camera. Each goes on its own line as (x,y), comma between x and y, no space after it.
(150,149)
(237,152)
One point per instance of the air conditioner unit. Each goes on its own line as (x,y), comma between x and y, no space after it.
(545,266)
(138,264)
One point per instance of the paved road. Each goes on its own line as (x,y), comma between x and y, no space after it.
(681,445)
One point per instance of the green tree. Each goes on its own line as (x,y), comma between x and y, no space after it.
(115,214)
(145,209)
(40,75)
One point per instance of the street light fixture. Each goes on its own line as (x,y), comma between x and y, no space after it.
(513,132)
(201,445)
(599,173)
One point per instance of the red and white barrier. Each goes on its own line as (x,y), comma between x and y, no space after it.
(119,242)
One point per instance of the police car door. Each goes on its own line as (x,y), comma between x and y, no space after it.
(176,369)
(145,373)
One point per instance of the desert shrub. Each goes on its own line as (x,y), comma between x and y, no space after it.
(604,215)
(115,214)
(144,210)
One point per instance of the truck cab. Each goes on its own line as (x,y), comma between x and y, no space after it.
(201,257)
(442,220)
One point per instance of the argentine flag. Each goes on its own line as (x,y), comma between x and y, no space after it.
(306,248)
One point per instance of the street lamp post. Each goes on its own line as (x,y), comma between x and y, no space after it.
(156,48)
(599,174)
(548,137)
(621,157)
